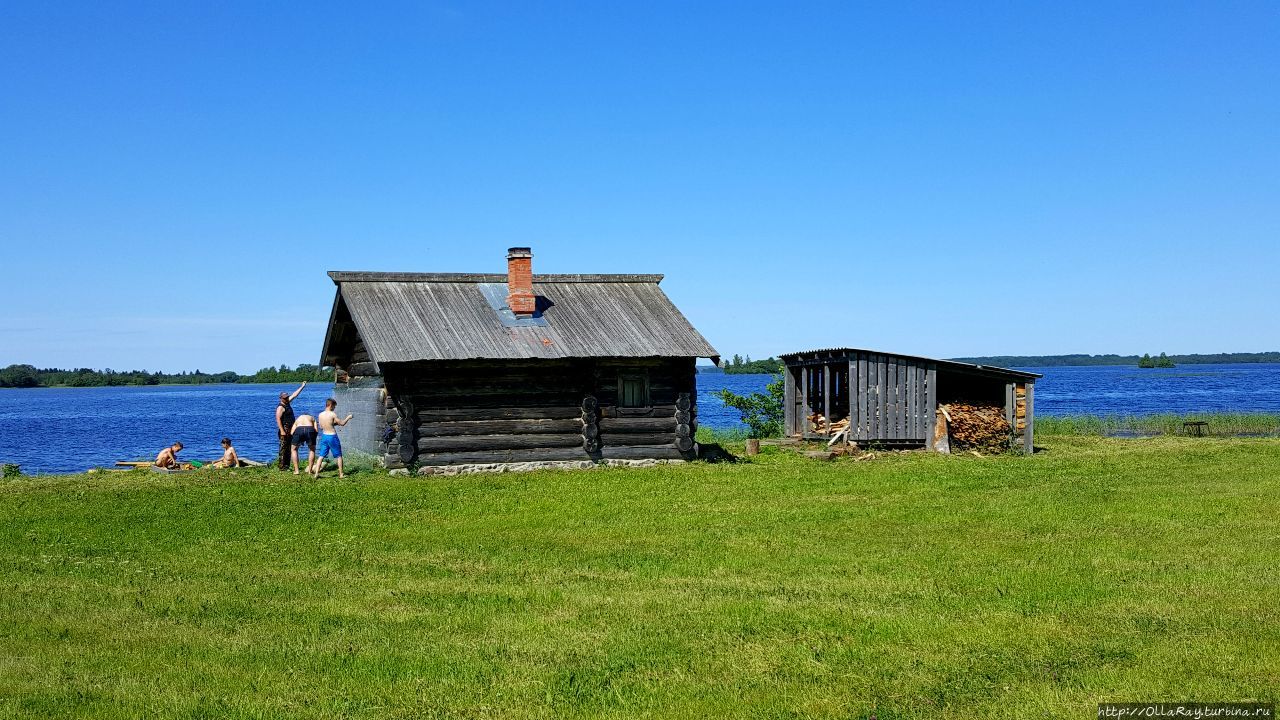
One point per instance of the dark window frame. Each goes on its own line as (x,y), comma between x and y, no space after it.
(642,378)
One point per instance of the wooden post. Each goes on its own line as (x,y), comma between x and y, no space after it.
(806,406)
(826,394)
(1027,436)
(788,401)
(931,405)
(1011,408)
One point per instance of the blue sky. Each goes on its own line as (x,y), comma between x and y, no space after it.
(941,179)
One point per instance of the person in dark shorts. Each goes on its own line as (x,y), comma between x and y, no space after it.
(284,425)
(304,433)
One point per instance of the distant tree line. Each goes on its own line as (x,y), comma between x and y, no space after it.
(29,376)
(1061,360)
(737,365)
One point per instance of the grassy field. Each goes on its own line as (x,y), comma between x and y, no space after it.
(910,586)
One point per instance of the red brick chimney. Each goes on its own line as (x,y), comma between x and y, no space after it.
(520,297)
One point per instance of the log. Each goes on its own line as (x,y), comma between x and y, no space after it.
(498,456)
(656,411)
(638,424)
(683,402)
(684,430)
(590,431)
(558,412)
(684,444)
(491,404)
(627,439)
(497,427)
(496,442)
(684,417)
(655,452)
(363,369)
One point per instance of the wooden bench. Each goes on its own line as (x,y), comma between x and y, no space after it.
(1195,428)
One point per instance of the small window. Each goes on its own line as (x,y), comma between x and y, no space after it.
(633,391)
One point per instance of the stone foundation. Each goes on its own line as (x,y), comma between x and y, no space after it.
(530,466)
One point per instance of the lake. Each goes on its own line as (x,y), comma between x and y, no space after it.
(49,430)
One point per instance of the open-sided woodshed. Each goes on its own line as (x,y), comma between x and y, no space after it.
(484,368)
(893,400)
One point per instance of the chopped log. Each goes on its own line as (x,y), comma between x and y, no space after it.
(940,442)
(977,427)
(819,455)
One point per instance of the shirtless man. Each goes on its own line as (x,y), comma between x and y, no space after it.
(329,444)
(284,424)
(229,457)
(168,457)
(304,432)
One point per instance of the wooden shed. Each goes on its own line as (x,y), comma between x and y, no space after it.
(453,368)
(893,400)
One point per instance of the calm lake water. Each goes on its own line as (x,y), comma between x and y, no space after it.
(49,430)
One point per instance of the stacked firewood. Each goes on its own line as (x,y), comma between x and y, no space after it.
(976,427)
(818,424)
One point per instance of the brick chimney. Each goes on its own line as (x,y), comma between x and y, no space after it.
(520,297)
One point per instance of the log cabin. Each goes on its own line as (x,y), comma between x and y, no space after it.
(444,369)
(892,400)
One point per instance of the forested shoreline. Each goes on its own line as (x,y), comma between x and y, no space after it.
(29,376)
(1088,360)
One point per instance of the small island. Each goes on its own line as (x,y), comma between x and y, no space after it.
(1164,361)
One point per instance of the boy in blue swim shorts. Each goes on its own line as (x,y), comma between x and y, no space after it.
(328,443)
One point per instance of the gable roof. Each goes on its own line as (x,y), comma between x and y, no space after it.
(405,317)
(799,357)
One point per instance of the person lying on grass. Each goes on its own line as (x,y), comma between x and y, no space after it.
(168,457)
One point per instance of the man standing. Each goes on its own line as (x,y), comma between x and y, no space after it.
(329,444)
(284,424)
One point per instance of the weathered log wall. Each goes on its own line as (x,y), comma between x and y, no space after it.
(359,390)
(518,411)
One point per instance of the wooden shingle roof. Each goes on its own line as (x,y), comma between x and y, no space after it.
(406,317)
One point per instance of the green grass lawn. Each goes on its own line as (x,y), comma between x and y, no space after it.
(910,586)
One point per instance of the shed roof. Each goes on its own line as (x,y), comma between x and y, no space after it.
(406,317)
(955,364)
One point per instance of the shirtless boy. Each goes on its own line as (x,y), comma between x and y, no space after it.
(229,457)
(304,432)
(168,457)
(329,444)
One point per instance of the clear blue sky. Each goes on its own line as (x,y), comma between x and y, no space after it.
(944,179)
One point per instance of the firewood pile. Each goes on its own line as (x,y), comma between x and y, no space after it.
(976,427)
(819,424)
